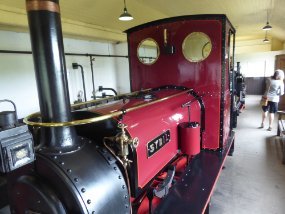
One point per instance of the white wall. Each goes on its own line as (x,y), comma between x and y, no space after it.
(103,67)
(17,78)
(257,64)
(122,67)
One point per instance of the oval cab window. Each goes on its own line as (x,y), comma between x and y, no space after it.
(148,51)
(196,47)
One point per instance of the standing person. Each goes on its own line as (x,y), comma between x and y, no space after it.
(275,88)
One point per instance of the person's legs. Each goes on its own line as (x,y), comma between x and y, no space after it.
(271,119)
(264,115)
(272,110)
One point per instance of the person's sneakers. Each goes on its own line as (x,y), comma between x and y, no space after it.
(262,126)
(269,129)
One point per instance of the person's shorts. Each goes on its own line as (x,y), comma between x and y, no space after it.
(272,107)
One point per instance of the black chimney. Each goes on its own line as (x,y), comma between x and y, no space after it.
(48,53)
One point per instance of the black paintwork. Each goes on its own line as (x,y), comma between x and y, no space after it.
(192,192)
(234,110)
(78,182)
(156,144)
(105,128)
(202,106)
(3,191)
(223,80)
(8,119)
(50,69)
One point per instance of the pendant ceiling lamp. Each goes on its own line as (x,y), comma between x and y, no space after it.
(125,16)
(266,40)
(267,26)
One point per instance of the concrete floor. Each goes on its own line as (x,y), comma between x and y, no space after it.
(253,180)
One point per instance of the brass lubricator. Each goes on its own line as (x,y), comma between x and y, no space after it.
(124,141)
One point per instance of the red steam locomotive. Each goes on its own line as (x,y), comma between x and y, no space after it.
(158,149)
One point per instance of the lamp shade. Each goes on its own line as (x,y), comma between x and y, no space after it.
(267,27)
(125,16)
(266,40)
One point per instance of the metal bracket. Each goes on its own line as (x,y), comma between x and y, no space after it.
(163,189)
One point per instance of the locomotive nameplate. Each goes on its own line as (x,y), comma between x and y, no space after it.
(156,144)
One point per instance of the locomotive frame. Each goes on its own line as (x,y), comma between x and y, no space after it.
(145,165)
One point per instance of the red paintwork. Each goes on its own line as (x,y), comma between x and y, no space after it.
(189,139)
(210,79)
(149,122)
(204,77)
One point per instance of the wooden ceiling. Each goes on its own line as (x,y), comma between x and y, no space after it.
(98,19)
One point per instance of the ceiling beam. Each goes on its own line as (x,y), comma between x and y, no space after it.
(13,19)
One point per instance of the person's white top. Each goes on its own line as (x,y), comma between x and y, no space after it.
(276,89)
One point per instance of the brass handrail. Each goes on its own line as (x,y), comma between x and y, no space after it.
(95,119)
(37,114)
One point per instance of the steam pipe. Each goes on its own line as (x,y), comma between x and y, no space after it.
(66,54)
(75,66)
(92,73)
(108,89)
(51,76)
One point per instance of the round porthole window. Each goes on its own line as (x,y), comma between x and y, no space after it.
(148,51)
(196,47)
